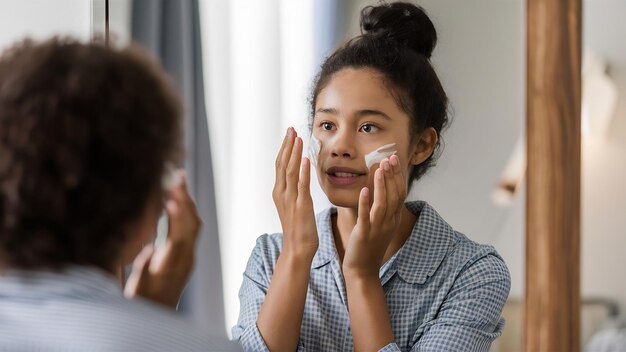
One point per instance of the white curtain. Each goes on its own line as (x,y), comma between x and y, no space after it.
(259,67)
(171,31)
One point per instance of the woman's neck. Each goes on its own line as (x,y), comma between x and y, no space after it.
(345,220)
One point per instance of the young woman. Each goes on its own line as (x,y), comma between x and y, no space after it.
(373,272)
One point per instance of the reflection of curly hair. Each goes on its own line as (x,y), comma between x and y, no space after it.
(85,133)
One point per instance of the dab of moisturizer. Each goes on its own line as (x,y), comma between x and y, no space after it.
(379,154)
(315,147)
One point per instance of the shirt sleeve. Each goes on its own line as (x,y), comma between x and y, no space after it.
(251,296)
(469,319)
(392,347)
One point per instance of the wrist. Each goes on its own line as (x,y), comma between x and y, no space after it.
(302,253)
(297,258)
(361,276)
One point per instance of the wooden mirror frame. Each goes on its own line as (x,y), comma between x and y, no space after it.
(552,298)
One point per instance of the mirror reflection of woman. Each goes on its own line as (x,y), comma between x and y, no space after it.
(373,272)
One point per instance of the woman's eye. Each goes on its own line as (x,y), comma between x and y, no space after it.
(368,128)
(327,126)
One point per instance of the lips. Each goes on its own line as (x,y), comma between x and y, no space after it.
(342,176)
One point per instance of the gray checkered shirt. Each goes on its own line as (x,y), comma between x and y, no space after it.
(444,292)
(82,309)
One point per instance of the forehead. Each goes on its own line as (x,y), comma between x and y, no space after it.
(352,89)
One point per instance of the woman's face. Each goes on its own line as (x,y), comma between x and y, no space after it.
(355,114)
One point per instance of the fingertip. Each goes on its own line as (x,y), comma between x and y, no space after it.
(364,203)
(172,208)
(379,173)
(143,257)
(385,165)
(148,249)
(394,160)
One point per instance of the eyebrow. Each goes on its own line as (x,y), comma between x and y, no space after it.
(359,113)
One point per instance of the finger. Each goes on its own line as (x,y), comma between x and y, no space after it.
(390,187)
(283,159)
(184,222)
(139,270)
(183,197)
(283,146)
(304,189)
(182,185)
(173,211)
(400,181)
(180,191)
(141,264)
(363,218)
(293,168)
(380,197)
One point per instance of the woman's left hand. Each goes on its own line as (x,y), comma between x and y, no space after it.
(161,274)
(376,226)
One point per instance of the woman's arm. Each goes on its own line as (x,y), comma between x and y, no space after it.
(369,318)
(280,317)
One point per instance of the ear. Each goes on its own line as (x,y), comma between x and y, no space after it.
(424,147)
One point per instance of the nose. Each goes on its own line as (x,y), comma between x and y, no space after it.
(343,145)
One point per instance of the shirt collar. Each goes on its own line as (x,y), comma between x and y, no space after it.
(419,257)
(326,250)
(429,242)
(74,281)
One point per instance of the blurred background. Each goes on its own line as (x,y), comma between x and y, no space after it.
(245,69)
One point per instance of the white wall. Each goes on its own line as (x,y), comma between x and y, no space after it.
(41,19)
(604,164)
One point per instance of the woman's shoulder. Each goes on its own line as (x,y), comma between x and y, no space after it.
(270,240)
(268,246)
(468,251)
(456,252)
(473,258)
(262,261)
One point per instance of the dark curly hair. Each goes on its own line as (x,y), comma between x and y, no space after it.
(397,40)
(85,134)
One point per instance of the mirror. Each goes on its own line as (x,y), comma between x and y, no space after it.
(480,58)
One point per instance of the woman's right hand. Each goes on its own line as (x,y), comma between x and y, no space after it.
(292,198)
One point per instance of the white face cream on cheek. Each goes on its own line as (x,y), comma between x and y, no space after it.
(315,147)
(379,154)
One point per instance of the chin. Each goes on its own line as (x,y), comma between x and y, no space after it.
(344,198)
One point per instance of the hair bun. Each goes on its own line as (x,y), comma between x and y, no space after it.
(403,22)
